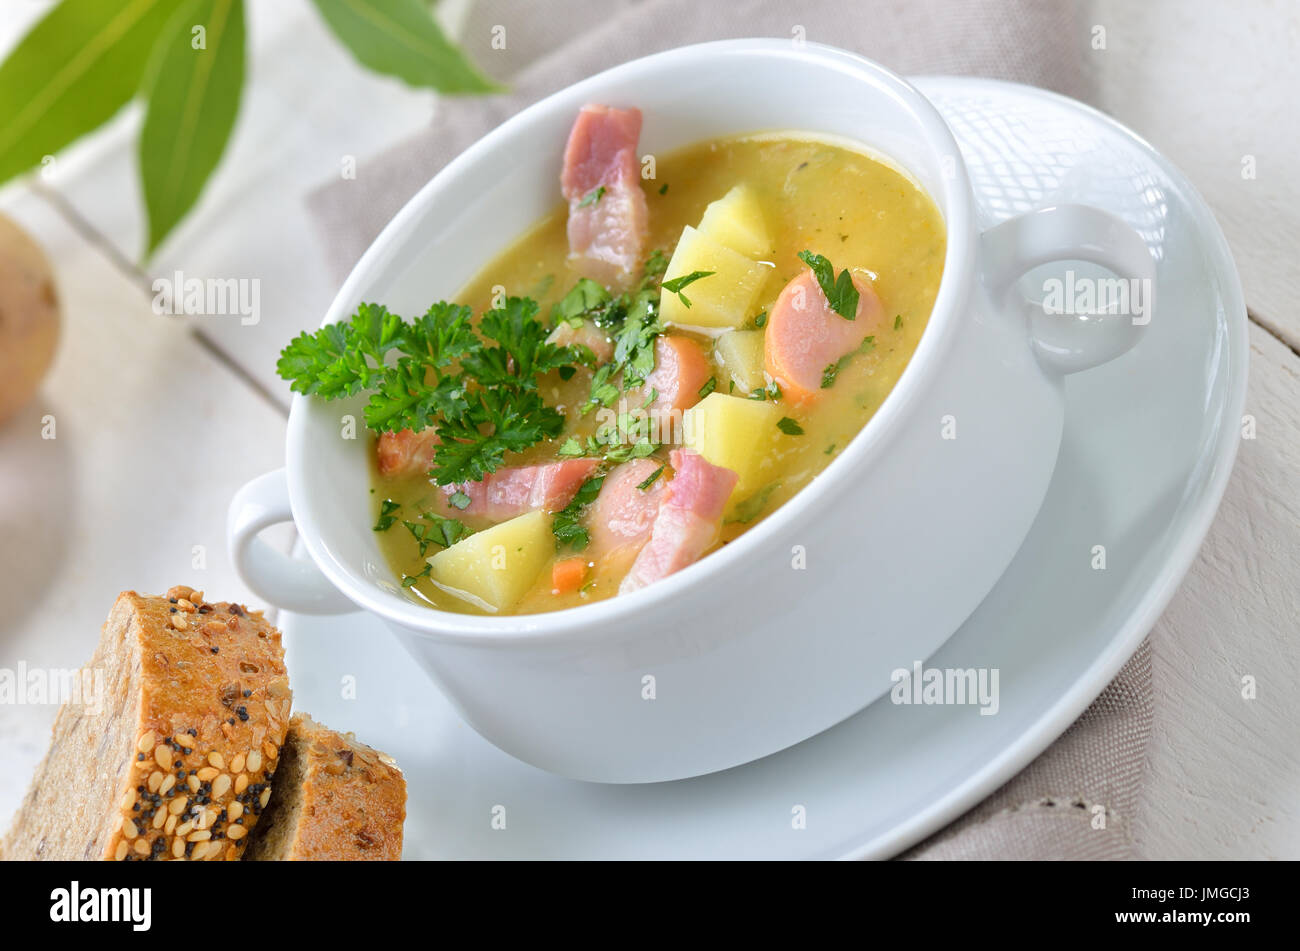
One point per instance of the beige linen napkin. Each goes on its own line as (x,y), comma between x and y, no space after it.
(550,45)
(1076,800)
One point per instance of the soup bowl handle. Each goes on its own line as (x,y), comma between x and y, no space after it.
(283,581)
(1067,342)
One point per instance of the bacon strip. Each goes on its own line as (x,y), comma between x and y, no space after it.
(688,520)
(602,183)
(517,490)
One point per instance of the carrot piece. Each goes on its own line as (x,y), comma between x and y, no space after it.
(568,574)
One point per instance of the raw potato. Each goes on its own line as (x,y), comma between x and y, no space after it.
(29,317)
(734,432)
(495,567)
(736,220)
(723,299)
(740,353)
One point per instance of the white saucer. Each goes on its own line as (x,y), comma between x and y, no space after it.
(1149,442)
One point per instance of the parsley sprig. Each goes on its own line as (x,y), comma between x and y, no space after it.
(478,387)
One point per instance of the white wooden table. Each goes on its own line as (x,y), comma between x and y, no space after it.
(161,419)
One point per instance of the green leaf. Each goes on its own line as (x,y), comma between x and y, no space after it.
(833,370)
(676,284)
(399,38)
(386,516)
(333,361)
(404,400)
(585,296)
(747,510)
(410,581)
(567,526)
(442,336)
(649,480)
(70,74)
(435,529)
(193,98)
(593,196)
(841,293)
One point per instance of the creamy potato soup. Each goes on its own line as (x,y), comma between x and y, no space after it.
(656,366)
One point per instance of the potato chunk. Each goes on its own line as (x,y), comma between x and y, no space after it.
(29,317)
(723,299)
(734,432)
(736,220)
(740,354)
(495,567)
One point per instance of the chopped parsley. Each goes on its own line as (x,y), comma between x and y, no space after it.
(633,318)
(676,285)
(635,426)
(386,516)
(567,526)
(459,499)
(789,426)
(770,392)
(606,445)
(585,298)
(542,287)
(832,370)
(708,387)
(761,320)
(656,264)
(898,321)
(841,293)
(638,450)
(650,479)
(410,581)
(663,189)
(593,196)
(749,509)
(435,529)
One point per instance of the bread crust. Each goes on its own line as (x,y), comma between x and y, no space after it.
(352,799)
(205,734)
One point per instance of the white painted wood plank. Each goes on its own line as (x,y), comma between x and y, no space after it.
(1210,84)
(153,435)
(1223,771)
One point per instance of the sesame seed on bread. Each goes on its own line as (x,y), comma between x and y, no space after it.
(177,761)
(335,799)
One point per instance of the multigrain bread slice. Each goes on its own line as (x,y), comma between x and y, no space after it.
(177,762)
(335,799)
